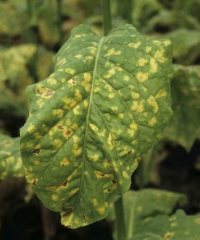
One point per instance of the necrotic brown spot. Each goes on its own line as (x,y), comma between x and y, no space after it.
(36,151)
(68,132)
(114,181)
(73,81)
(65,183)
(67,211)
(49,93)
(60,127)
(34,182)
(129,152)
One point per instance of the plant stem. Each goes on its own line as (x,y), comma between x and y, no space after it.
(59,16)
(120,220)
(29,7)
(106,16)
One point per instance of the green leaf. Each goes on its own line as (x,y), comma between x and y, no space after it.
(186,45)
(149,215)
(184,125)
(105,105)
(12,22)
(146,236)
(142,207)
(175,227)
(10,158)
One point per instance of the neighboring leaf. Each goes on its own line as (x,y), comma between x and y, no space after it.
(186,45)
(44,65)
(184,125)
(15,77)
(49,25)
(10,158)
(148,215)
(12,22)
(142,207)
(175,227)
(105,105)
(147,171)
(146,236)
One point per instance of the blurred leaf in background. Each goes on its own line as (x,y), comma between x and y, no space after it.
(184,125)
(10,158)
(144,208)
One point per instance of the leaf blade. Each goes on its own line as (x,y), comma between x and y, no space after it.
(82,115)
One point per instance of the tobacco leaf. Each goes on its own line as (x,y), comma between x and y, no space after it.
(104,106)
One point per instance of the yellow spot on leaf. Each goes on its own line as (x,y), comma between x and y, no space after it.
(95,202)
(152,102)
(64,162)
(54,197)
(159,56)
(142,62)
(31,128)
(111,95)
(134,45)
(77,110)
(58,113)
(110,141)
(133,126)
(114,108)
(110,52)
(135,95)
(173,224)
(52,81)
(142,77)
(153,65)
(94,157)
(37,162)
(78,56)
(168,235)
(161,93)
(111,72)
(70,71)
(126,78)
(94,127)
(137,106)
(57,143)
(167,43)
(87,77)
(125,175)
(148,49)
(101,210)
(152,122)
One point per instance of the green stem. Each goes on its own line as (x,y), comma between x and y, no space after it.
(59,17)
(120,220)
(106,16)
(29,7)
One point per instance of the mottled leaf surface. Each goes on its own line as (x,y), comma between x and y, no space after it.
(146,206)
(149,214)
(10,158)
(184,125)
(105,105)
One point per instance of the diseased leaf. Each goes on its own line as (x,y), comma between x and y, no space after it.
(186,45)
(175,227)
(150,216)
(184,125)
(105,105)
(142,207)
(12,22)
(10,158)
(146,236)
